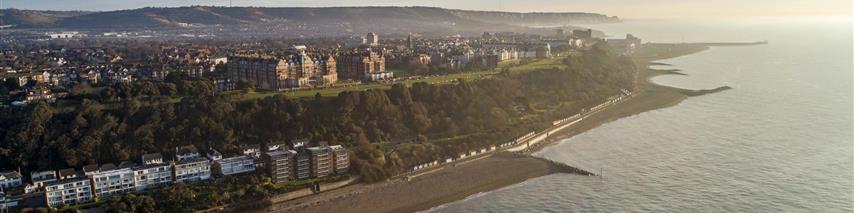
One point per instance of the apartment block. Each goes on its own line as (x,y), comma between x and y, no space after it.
(38,180)
(302,164)
(341,159)
(9,179)
(321,161)
(152,176)
(235,165)
(192,169)
(70,191)
(186,152)
(280,165)
(111,180)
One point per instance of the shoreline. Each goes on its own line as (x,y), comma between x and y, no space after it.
(456,182)
(652,96)
(430,189)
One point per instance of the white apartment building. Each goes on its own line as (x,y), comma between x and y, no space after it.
(151,176)
(112,181)
(192,169)
(235,165)
(68,192)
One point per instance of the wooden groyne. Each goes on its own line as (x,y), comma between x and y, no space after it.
(569,169)
(558,166)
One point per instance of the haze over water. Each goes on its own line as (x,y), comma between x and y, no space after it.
(780,140)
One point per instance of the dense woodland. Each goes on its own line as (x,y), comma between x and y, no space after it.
(432,121)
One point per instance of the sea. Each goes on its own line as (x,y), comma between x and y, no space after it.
(779,141)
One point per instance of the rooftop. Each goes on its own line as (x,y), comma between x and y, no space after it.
(276,145)
(43,175)
(90,168)
(189,149)
(236,158)
(191,160)
(250,146)
(148,166)
(67,180)
(337,147)
(107,167)
(281,152)
(152,156)
(10,175)
(126,164)
(67,172)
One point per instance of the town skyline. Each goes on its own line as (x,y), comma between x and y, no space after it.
(622,8)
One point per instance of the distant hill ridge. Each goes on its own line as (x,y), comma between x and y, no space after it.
(205,15)
(535,18)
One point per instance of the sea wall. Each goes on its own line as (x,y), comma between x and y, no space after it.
(307,191)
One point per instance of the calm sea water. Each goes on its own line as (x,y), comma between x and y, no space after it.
(780,141)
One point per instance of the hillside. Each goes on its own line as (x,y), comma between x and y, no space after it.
(534,19)
(32,18)
(348,19)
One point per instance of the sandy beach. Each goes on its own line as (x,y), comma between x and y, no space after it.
(441,185)
(455,182)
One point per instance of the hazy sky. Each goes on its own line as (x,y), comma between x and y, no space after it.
(622,8)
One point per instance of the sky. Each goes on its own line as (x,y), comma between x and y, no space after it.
(621,8)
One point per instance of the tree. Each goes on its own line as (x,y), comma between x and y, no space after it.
(132,203)
(422,139)
(167,89)
(81,89)
(178,198)
(11,84)
(246,86)
(108,94)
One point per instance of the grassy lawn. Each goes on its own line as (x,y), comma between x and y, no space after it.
(443,79)
(536,64)
(311,92)
(451,78)
(515,66)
